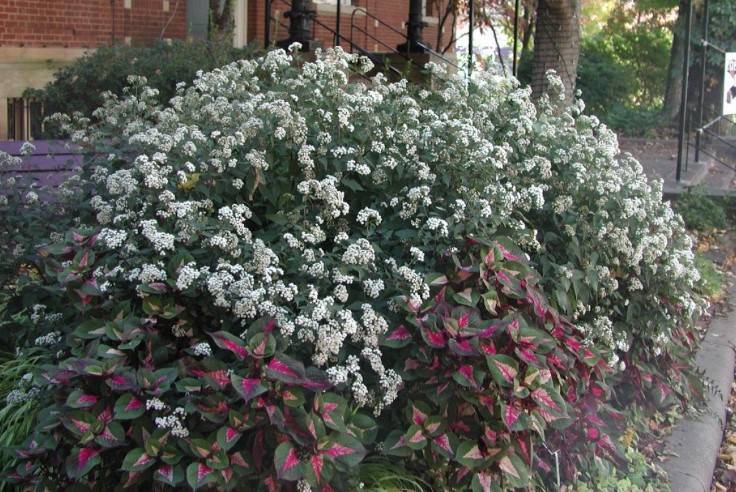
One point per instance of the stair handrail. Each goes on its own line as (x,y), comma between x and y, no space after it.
(425,47)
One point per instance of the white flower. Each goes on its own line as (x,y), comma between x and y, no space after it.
(367,215)
(202,349)
(417,254)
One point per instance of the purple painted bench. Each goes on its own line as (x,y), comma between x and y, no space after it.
(50,164)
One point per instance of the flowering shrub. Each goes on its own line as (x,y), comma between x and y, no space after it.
(252,292)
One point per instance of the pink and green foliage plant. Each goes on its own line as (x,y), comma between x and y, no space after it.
(495,379)
(255,413)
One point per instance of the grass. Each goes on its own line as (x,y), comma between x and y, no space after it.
(713,279)
(380,475)
(16,421)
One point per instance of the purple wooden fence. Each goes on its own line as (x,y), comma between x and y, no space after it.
(50,164)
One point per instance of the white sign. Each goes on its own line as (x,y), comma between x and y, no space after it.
(729,85)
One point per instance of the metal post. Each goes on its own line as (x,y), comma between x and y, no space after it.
(301,23)
(414,42)
(516,35)
(267,27)
(337,23)
(683,100)
(471,25)
(701,95)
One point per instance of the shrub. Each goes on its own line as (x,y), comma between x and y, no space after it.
(80,85)
(702,212)
(233,309)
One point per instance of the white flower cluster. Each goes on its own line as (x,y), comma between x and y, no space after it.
(202,349)
(174,422)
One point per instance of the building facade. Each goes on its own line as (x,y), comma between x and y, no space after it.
(38,37)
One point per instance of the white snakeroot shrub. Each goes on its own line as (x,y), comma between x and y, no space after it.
(250,193)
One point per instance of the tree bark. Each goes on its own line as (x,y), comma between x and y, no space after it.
(528,32)
(673,90)
(556,44)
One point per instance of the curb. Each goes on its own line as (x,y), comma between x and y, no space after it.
(695,442)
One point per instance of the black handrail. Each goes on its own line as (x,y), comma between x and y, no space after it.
(377,60)
(393,29)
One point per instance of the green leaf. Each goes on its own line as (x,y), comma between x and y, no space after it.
(514,470)
(331,409)
(81,461)
(169,474)
(227,437)
(415,438)
(248,388)
(287,463)
(137,460)
(79,399)
(435,279)
(469,454)
(128,407)
(503,368)
(467,297)
(199,474)
(343,448)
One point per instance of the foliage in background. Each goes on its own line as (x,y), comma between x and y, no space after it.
(623,67)
(700,211)
(80,85)
(265,250)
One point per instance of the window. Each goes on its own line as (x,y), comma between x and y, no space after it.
(25,118)
(428,8)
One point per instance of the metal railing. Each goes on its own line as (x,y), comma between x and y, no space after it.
(404,36)
(354,47)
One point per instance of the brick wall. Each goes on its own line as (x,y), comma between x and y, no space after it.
(392,12)
(89,23)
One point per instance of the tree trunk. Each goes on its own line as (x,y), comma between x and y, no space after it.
(673,91)
(556,44)
(528,31)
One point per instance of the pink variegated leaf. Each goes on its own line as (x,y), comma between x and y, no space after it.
(468,377)
(199,475)
(286,461)
(415,437)
(128,407)
(398,338)
(503,368)
(230,342)
(434,339)
(79,399)
(515,470)
(343,448)
(248,388)
(469,454)
(81,461)
(227,437)
(286,369)
(332,410)
(444,444)
(511,416)
(137,460)
(482,482)
(169,474)
(317,463)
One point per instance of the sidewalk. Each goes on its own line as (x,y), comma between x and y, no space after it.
(658,156)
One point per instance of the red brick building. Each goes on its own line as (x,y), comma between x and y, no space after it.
(89,23)
(37,37)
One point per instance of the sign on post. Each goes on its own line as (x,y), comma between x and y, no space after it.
(729,85)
